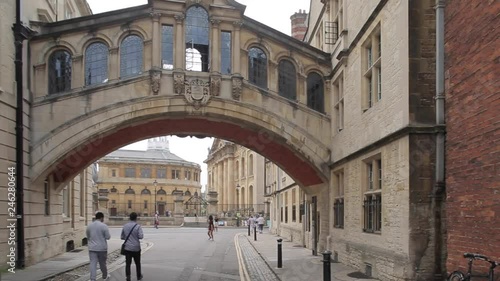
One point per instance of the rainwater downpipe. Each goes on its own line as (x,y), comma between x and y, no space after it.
(20,34)
(439,187)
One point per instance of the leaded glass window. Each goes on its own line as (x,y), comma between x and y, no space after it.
(96,64)
(226,52)
(197,39)
(167,47)
(59,72)
(315,92)
(257,67)
(131,51)
(287,80)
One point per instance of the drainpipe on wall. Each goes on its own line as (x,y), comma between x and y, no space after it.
(21,33)
(439,187)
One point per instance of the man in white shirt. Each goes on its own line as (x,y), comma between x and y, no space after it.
(97,236)
(260,222)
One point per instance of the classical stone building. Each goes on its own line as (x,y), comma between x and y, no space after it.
(236,174)
(54,218)
(147,181)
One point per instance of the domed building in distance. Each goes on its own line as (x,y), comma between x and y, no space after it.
(144,181)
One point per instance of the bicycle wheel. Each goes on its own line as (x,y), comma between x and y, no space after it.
(456,276)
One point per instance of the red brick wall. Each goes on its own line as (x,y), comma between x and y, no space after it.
(472,40)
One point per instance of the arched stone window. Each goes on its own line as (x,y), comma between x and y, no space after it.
(250,165)
(287,80)
(146,191)
(257,67)
(131,51)
(59,72)
(197,39)
(237,170)
(187,193)
(315,92)
(161,192)
(129,191)
(96,64)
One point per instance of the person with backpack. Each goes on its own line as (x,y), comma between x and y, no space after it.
(132,233)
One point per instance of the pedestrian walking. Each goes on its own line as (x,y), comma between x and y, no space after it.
(251,221)
(97,236)
(132,233)
(216,224)
(260,223)
(157,220)
(211,228)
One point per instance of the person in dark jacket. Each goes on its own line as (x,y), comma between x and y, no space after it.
(133,245)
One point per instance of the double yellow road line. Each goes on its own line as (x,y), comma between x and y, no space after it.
(244,276)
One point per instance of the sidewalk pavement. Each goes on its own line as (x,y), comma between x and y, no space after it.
(298,263)
(57,265)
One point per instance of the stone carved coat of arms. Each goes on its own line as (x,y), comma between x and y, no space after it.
(197,92)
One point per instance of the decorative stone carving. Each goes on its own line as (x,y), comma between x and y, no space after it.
(155,76)
(215,84)
(197,93)
(179,18)
(237,24)
(237,85)
(179,83)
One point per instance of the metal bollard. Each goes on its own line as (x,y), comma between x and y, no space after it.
(327,274)
(280,257)
(254,233)
(248,229)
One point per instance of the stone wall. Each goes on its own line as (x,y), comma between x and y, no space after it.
(472,141)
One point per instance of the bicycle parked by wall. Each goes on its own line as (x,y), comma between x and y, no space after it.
(460,276)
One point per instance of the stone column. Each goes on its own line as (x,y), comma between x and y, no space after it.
(226,184)
(215,61)
(78,73)
(178,210)
(231,184)
(179,49)
(302,89)
(114,64)
(212,203)
(237,48)
(156,49)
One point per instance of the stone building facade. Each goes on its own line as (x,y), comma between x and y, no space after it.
(148,181)
(54,218)
(377,214)
(473,131)
(236,174)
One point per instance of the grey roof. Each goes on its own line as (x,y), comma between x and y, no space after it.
(148,156)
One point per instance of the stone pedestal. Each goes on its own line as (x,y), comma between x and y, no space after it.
(212,203)
(178,204)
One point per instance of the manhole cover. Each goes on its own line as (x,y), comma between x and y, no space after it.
(358,275)
(76,250)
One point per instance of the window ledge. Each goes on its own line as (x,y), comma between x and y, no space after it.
(371,192)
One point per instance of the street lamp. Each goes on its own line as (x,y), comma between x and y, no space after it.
(155,183)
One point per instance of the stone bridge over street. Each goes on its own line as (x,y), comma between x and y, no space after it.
(176,67)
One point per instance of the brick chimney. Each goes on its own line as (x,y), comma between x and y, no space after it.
(299,24)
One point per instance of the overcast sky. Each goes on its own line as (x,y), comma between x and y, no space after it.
(274,13)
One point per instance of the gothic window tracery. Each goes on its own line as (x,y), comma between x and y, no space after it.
(197,39)
(59,72)
(257,67)
(287,80)
(315,92)
(131,51)
(96,64)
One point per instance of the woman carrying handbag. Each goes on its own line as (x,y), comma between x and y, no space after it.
(131,248)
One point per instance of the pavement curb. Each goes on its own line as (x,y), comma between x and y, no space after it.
(263,258)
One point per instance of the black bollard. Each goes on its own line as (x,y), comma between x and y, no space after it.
(327,274)
(254,233)
(248,229)
(280,262)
